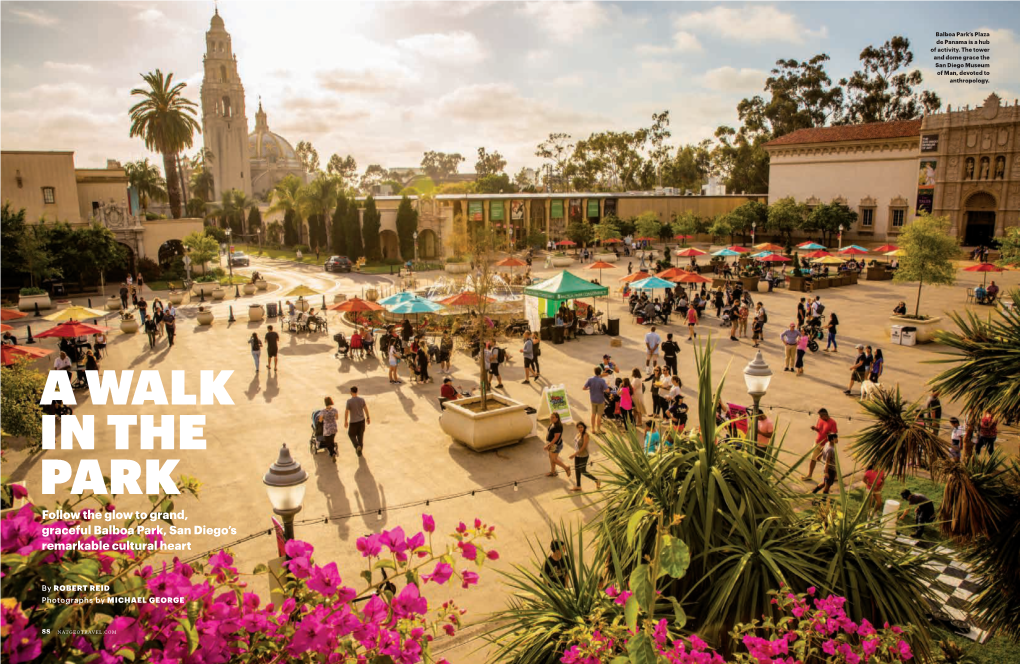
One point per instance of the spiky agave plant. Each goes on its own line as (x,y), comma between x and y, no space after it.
(972,502)
(897,439)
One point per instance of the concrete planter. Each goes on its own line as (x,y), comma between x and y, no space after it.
(762,286)
(925,328)
(176,297)
(371,295)
(262,285)
(205,317)
(458,268)
(249,289)
(608,258)
(219,293)
(797,284)
(854,275)
(204,288)
(129,325)
(302,304)
(878,273)
(113,304)
(562,261)
(28,302)
(489,430)
(256,313)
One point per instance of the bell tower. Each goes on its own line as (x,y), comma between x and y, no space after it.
(224,123)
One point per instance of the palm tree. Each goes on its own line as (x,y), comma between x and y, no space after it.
(241,203)
(287,198)
(898,438)
(165,120)
(318,199)
(223,211)
(273,230)
(201,177)
(147,181)
(984,354)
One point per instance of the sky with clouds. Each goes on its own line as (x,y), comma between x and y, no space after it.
(385,81)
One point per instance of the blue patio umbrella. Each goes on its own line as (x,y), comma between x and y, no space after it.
(652,283)
(397,298)
(726,252)
(855,246)
(810,246)
(418,305)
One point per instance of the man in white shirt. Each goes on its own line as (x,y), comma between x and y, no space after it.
(652,343)
(63,363)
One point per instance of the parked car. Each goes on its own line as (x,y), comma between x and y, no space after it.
(239,259)
(338,264)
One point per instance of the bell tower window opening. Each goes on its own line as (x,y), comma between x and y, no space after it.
(227,111)
(223,73)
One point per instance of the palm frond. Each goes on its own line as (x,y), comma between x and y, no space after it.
(972,502)
(897,439)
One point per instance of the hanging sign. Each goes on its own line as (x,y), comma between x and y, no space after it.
(496,210)
(475,212)
(593,207)
(556,209)
(517,210)
(926,186)
(554,400)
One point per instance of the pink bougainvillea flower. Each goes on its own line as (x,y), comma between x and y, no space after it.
(468,579)
(18,491)
(441,574)
(428,524)
(492,554)
(370,546)
(409,603)
(298,549)
(468,550)
(325,580)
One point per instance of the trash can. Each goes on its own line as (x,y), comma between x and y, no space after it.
(271,311)
(545,334)
(896,334)
(613,327)
(557,334)
(908,337)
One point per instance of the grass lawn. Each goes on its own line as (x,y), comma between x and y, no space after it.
(997,650)
(238,279)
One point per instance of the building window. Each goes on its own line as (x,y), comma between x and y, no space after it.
(867,217)
(49,195)
(899,215)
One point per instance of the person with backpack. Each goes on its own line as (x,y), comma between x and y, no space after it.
(256,349)
(758,326)
(492,360)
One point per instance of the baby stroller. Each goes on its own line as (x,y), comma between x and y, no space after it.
(814,331)
(727,316)
(343,347)
(317,442)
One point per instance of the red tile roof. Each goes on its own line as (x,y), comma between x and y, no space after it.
(861,132)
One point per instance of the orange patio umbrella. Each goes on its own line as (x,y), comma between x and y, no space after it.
(636,276)
(465,299)
(511,262)
(692,278)
(821,253)
(885,248)
(11,314)
(669,273)
(612,240)
(601,265)
(4,327)
(12,354)
(739,249)
(355,305)
(768,246)
(690,251)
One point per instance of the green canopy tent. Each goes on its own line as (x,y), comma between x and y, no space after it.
(543,299)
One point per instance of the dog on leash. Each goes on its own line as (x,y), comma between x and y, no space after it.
(868,388)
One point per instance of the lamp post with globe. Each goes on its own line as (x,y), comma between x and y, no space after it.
(285,484)
(757,376)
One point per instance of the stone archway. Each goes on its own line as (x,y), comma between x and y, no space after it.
(428,244)
(170,250)
(389,245)
(979,218)
(129,266)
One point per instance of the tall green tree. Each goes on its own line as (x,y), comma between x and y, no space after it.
(308,155)
(241,204)
(407,226)
(255,221)
(201,247)
(96,251)
(166,122)
(439,165)
(317,200)
(750,215)
(883,90)
(495,184)
(374,174)
(147,181)
(12,228)
(34,254)
(609,160)
(689,168)
(647,224)
(372,221)
(339,229)
(489,163)
(290,228)
(286,197)
(827,219)
(344,169)
(558,151)
(1009,248)
(930,252)
(355,245)
(785,217)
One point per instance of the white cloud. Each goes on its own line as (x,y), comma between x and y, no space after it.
(454,48)
(749,23)
(658,71)
(32,17)
(573,81)
(686,42)
(729,79)
(69,67)
(152,16)
(538,56)
(349,81)
(567,21)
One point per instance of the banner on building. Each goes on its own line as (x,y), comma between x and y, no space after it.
(475,212)
(609,208)
(575,208)
(930,143)
(556,209)
(496,210)
(517,210)
(926,186)
(593,207)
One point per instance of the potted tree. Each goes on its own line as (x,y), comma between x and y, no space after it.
(797,280)
(487,420)
(113,303)
(261,284)
(219,292)
(608,229)
(176,297)
(205,316)
(202,248)
(248,288)
(128,323)
(930,249)
(562,259)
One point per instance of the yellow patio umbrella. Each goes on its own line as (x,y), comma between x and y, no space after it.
(75,312)
(896,254)
(301,291)
(831,260)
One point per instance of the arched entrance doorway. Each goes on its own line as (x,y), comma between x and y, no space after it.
(389,245)
(170,250)
(428,244)
(129,266)
(979,211)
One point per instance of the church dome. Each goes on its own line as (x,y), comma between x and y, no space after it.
(264,144)
(216,22)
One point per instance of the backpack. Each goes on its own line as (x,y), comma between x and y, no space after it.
(500,356)
(536,348)
(764,316)
(820,308)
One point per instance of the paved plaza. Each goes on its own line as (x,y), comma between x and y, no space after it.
(409,460)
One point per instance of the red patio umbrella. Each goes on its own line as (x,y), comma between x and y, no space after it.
(683,237)
(885,247)
(636,276)
(566,243)
(854,251)
(739,249)
(601,265)
(465,299)
(821,253)
(983,267)
(71,329)
(645,239)
(692,278)
(12,354)
(768,246)
(4,327)
(355,305)
(612,240)
(690,251)
(11,314)
(511,262)
(774,258)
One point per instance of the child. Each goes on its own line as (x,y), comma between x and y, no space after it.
(828,459)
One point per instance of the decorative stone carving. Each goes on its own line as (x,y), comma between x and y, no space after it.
(814,200)
(972,139)
(868,201)
(1003,136)
(991,107)
(986,140)
(839,200)
(898,201)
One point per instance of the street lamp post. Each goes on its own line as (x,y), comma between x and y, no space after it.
(841,237)
(757,376)
(416,246)
(754,227)
(285,484)
(230,264)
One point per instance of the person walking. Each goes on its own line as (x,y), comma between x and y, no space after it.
(802,344)
(256,349)
(743,313)
(580,456)
(831,327)
(596,388)
(422,362)
(637,386)
(692,320)
(828,458)
(529,357)
(393,358)
(329,417)
(272,349)
(124,296)
(652,343)
(988,432)
(790,338)
(670,350)
(877,366)
(933,412)
(150,330)
(654,379)
(356,418)
(858,370)
(627,402)
(801,312)
(492,362)
(823,427)
(554,445)
(170,326)
(758,326)
(874,480)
